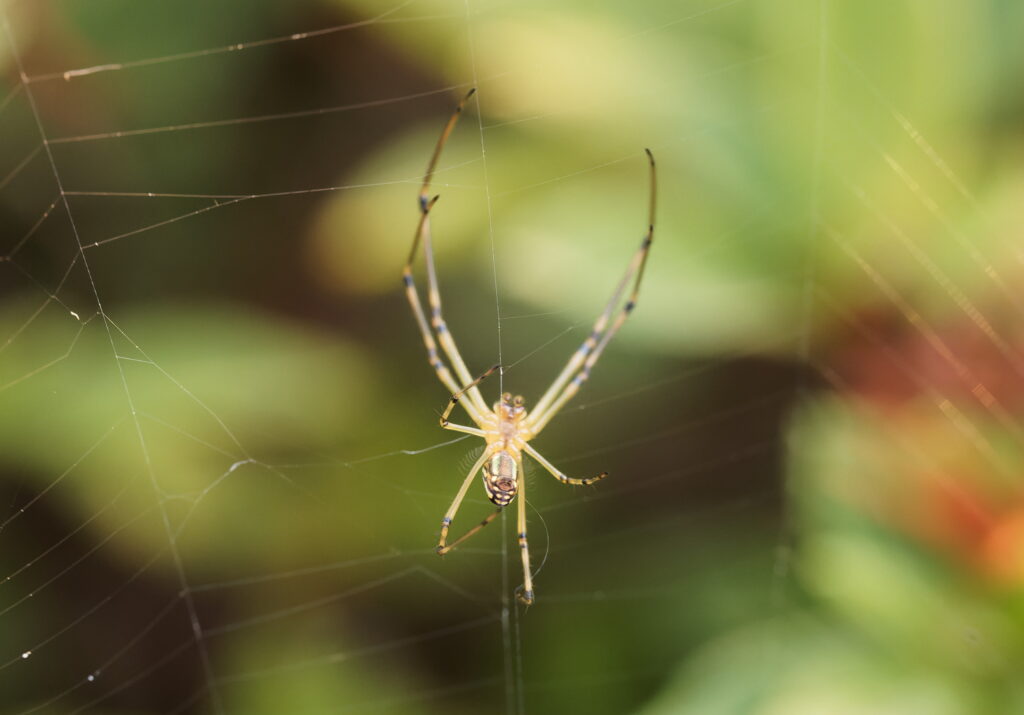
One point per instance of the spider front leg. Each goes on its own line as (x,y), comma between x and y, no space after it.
(474,410)
(583,360)
(435,332)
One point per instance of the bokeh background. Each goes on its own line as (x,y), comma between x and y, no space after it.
(221,476)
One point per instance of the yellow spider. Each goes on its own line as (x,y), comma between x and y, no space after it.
(507,428)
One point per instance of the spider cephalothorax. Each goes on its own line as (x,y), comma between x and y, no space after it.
(507,428)
(510,414)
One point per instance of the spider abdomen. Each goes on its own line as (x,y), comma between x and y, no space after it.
(501,474)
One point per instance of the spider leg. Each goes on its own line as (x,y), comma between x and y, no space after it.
(432,164)
(443,374)
(423,234)
(526,594)
(579,365)
(586,481)
(468,430)
(440,327)
(446,522)
(455,397)
(445,549)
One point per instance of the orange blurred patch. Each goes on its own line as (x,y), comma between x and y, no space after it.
(1002,551)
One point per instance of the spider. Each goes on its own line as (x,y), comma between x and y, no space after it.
(506,427)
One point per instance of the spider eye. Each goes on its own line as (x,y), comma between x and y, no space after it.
(518,401)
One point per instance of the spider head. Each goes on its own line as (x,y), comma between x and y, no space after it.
(500,475)
(510,409)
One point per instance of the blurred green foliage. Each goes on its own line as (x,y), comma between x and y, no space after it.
(811,421)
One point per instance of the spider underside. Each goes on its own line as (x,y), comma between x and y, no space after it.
(507,427)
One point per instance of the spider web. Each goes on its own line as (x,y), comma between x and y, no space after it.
(221,477)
